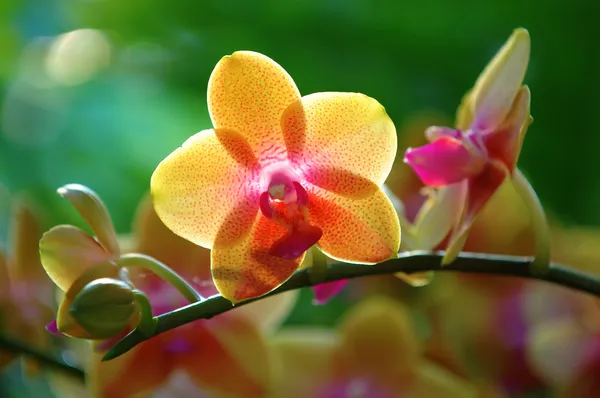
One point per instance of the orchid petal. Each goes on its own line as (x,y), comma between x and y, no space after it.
(92,209)
(248,92)
(498,84)
(202,189)
(364,230)
(504,144)
(227,355)
(246,269)
(378,335)
(66,252)
(438,215)
(480,190)
(326,291)
(270,312)
(443,162)
(140,371)
(154,239)
(344,134)
(305,358)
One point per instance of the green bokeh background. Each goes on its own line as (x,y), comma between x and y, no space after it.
(415,57)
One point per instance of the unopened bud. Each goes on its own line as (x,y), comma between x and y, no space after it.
(104,307)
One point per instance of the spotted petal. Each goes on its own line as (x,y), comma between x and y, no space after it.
(248,92)
(338,138)
(498,84)
(203,189)
(66,252)
(246,269)
(153,238)
(364,230)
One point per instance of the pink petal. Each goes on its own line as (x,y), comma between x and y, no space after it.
(52,328)
(326,291)
(445,161)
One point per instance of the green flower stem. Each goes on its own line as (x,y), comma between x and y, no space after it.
(147,320)
(56,363)
(408,262)
(317,272)
(541,229)
(161,270)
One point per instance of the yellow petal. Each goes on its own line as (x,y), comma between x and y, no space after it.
(364,230)
(25,236)
(269,313)
(248,92)
(333,135)
(92,209)
(303,359)
(246,269)
(497,86)
(436,217)
(202,191)
(66,252)
(64,320)
(154,239)
(378,335)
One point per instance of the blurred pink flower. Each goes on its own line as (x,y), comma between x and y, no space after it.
(483,150)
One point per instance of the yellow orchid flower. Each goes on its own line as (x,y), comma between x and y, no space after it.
(375,353)
(277,174)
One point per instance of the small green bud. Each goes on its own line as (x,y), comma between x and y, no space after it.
(105,307)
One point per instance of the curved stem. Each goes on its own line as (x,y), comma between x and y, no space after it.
(408,262)
(539,221)
(147,321)
(161,270)
(19,347)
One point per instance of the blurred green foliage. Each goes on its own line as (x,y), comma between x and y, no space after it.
(415,57)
